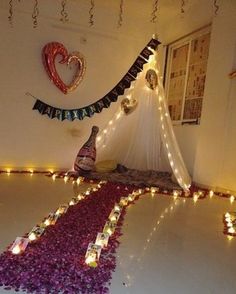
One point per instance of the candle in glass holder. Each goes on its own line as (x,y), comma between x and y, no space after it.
(35,233)
(19,245)
(92,254)
(102,239)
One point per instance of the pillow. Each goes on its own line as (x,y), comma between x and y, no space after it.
(105,166)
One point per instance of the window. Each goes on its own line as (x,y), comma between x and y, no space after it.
(186,73)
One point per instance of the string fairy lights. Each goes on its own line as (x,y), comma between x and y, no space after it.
(94,249)
(229,220)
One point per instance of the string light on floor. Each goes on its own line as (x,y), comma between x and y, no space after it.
(211,193)
(232,198)
(229,220)
(20,243)
(94,249)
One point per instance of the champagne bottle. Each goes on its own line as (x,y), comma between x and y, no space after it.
(86,156)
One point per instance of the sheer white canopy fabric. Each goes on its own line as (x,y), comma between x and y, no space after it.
(143,138)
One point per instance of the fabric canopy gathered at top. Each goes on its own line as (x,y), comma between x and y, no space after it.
(144,139)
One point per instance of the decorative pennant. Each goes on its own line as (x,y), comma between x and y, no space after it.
(96,107)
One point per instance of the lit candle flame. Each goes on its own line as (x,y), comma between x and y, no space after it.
(16,249)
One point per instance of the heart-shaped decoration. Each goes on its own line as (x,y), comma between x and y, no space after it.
(49,53)
(128,105)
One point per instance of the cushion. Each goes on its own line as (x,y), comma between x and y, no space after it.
(106,166)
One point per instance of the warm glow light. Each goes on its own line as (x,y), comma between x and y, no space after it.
(66,179)
(105,131)
(118,115)
(195,198)
(231,230)
(16,249)
(211,193)
(154,190)
(91,258)
(32,237)
(227,214)
(54,177)
(113,218)
(123,201)
(117,208)
(228,219)
(109,231)
(229,224)
(110,122)
(232,198)
(78,181)
(71,203)
(130,198)
(47,222)
(175,194)
(80,197)
(98,138)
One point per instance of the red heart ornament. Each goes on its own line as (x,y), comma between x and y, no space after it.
(49,53)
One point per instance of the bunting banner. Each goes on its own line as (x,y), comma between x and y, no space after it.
(104,102)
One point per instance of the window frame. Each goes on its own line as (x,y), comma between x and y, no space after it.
(168,64)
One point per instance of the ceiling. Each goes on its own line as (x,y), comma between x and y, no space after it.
(136,15)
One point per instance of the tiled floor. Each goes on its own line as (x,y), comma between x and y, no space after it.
(167,247)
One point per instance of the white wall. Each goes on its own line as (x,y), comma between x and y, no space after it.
(27,138)
(31,140)
(215,161)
